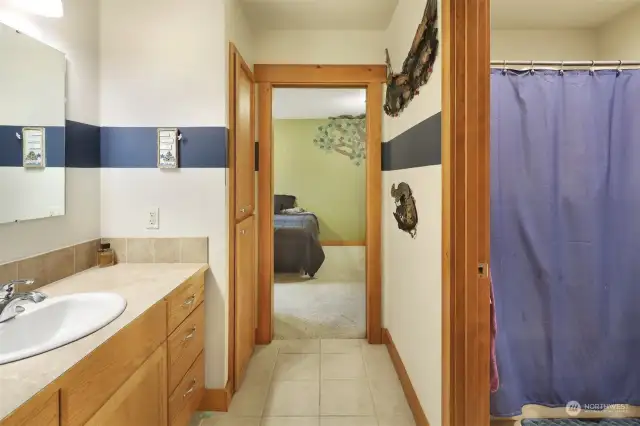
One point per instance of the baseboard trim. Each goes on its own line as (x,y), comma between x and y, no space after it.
(409,392)
(216,399)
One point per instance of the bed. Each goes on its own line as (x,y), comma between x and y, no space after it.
(296,244)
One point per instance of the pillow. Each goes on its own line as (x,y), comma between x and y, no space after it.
(283,202)
(295,210)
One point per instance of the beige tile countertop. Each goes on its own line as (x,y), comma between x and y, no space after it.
(142,285)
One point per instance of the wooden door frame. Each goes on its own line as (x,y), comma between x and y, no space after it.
(371,78)
(235,62)
(465,216)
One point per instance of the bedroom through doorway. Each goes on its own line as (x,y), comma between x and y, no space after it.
(319,221)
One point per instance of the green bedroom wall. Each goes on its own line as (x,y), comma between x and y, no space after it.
(327,184)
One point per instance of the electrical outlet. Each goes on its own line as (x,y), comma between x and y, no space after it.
(153,218)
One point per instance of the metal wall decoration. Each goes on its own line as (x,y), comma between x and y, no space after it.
(406,213)
(346,135)
(417,67)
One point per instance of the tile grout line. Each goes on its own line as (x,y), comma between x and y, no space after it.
(320,382)
(366,372)
(269,386)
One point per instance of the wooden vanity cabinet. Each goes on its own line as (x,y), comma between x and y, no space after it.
(142,399)
(150,373)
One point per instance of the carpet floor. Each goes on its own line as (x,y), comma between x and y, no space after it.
(319,308)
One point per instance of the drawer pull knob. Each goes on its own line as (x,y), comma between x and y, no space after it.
(189,301)
(191,389)
(242,210)
(190,335)
(243,232)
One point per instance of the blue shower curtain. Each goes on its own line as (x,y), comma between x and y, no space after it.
(565,237)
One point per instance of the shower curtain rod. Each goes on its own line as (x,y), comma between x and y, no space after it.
(568,63)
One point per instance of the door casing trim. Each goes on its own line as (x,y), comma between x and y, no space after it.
(371,78)
(465,211)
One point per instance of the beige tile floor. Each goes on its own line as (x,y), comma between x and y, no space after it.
(317,383)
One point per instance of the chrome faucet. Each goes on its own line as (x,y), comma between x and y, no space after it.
(10,303)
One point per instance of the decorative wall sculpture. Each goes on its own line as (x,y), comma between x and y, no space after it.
(346,135)
(406,213)
(417,67)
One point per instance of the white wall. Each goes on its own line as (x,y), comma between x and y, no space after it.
(619,39)
(76,34)
(239,32)
(544,45)
(174,72)
(319,47)
(412,267)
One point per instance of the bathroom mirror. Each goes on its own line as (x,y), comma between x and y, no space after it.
(32,128)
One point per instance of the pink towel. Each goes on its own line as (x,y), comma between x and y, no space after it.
(494,378)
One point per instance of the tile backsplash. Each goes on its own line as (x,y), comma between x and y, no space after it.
(58,264)
(160,250)
(52,266)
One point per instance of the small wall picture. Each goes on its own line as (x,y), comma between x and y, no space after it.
(406,213)
(33,147)
(168,148)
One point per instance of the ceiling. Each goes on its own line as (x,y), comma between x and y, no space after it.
(319,14)
(318,103)
(555,14)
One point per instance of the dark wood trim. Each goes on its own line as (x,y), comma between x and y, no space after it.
(370,77)
(320,74)
(217,399)
(344,243)
(465,155)
(409,392)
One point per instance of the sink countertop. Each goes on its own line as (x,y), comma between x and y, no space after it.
(142,285)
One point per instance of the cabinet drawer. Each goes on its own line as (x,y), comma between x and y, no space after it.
(184,300)
(184,401)
(184,346)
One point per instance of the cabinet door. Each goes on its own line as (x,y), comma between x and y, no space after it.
(142,399)
(244,140)
(36,412)
(245,299)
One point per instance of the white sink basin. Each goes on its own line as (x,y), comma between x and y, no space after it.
(56,322)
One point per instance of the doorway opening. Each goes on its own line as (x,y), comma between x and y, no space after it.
(367,81)
(319,174)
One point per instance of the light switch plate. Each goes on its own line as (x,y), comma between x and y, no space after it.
(153,218)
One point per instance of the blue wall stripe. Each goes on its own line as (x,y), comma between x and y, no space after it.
(82,145)
(418,146)
(131,147)
(11,147)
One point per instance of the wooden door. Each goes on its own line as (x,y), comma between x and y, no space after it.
(142,399)
(245,297)
(244,140)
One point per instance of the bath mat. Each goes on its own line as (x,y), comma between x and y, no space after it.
(581,422)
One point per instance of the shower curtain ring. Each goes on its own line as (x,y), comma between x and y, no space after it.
(562,68)
(504,67)
(619,70)
(592,69)
(531,70)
